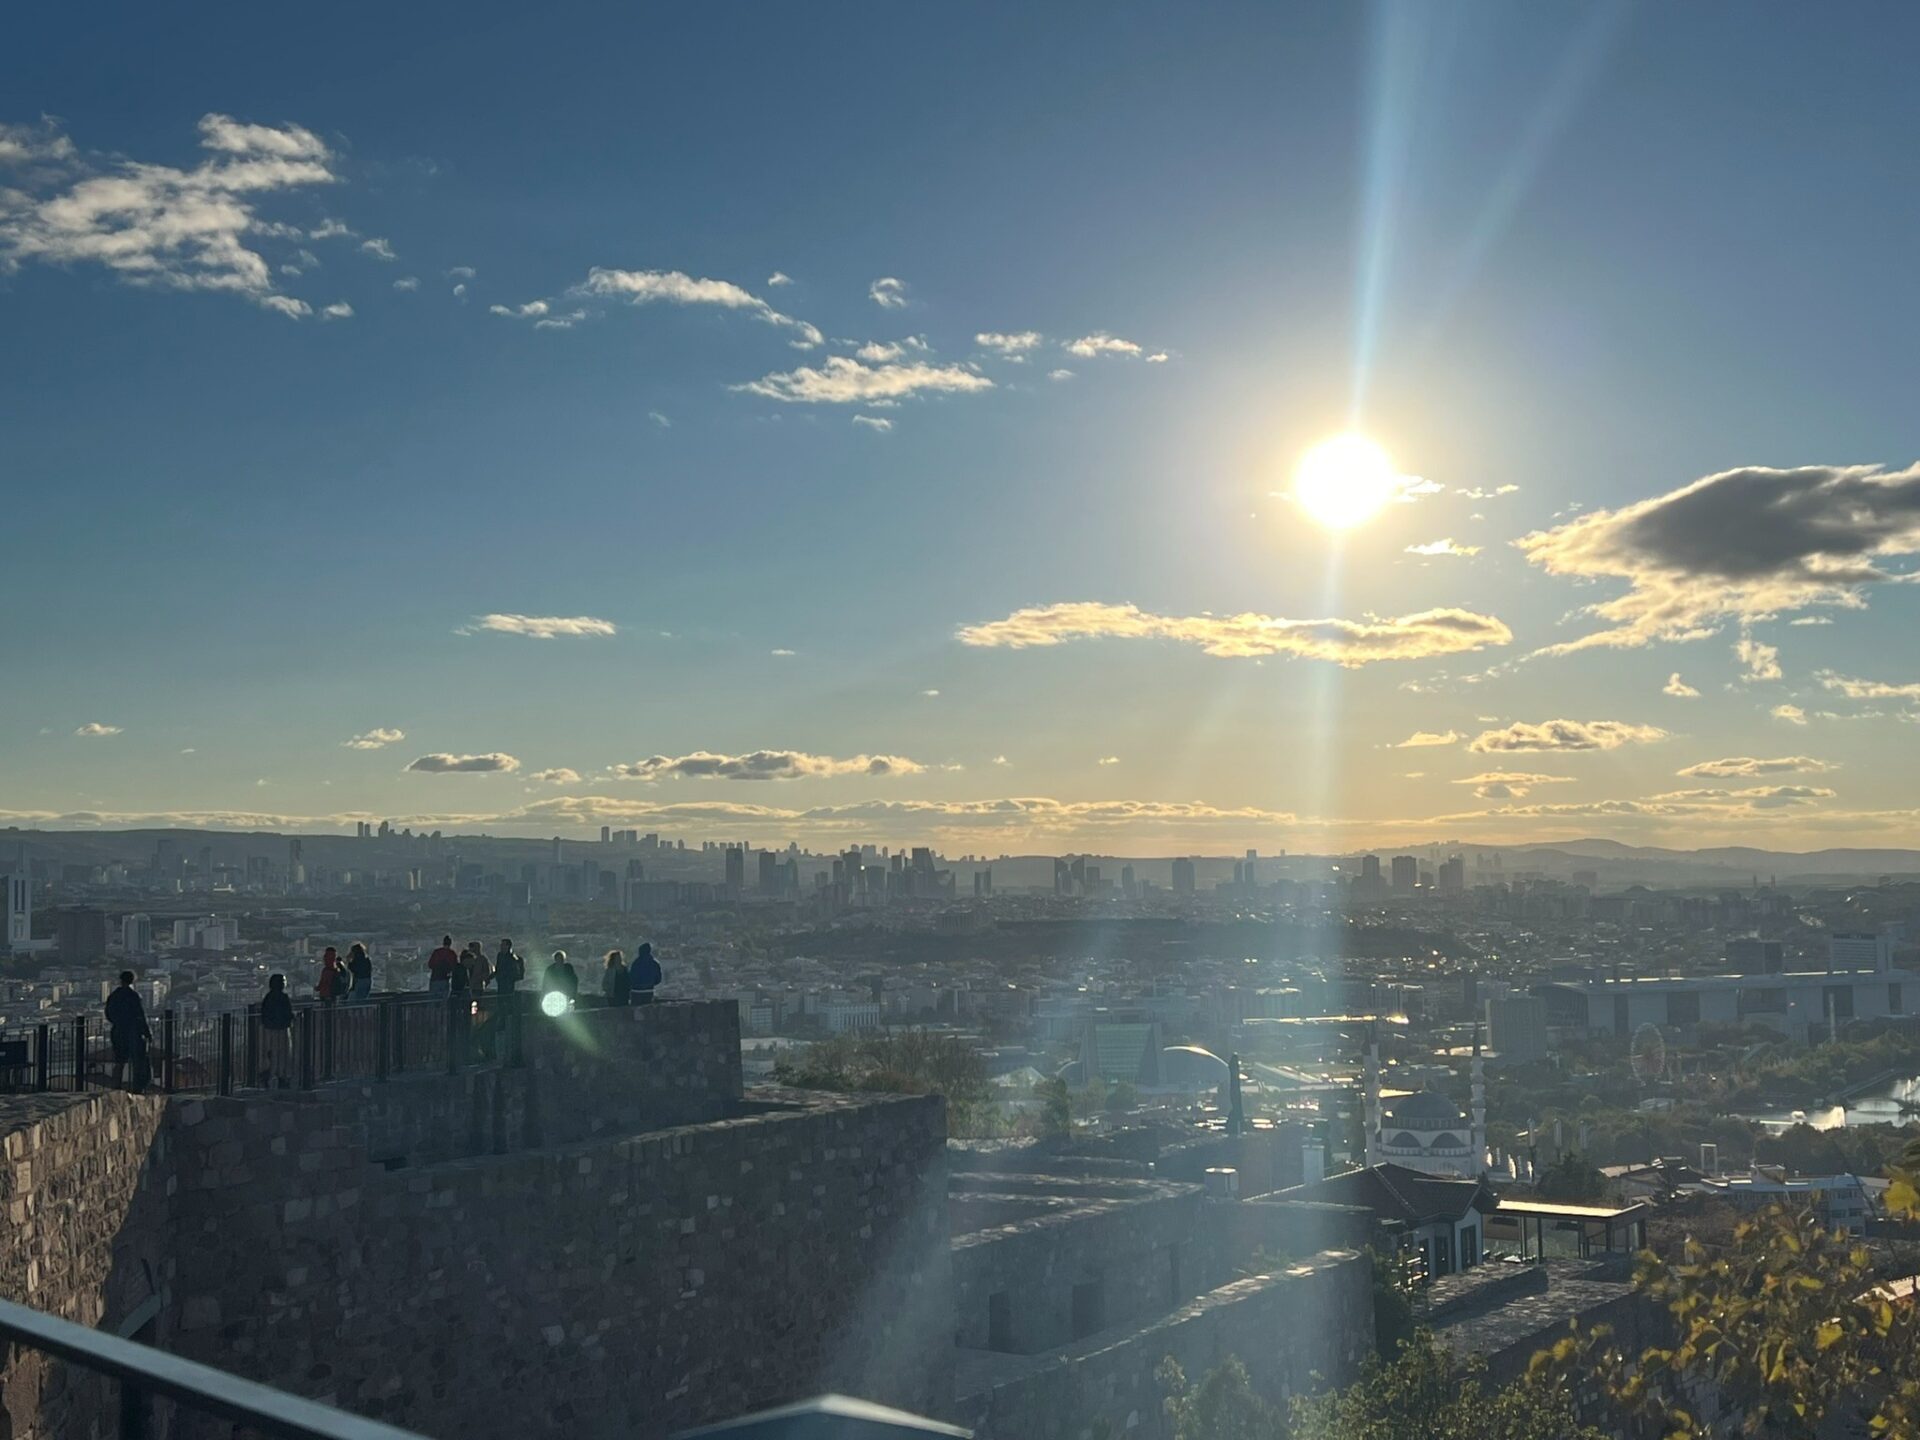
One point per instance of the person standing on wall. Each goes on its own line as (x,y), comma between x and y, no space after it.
(129,1032)
(508,969)
(643,976)
(479,971)
(561,978)
(440,968)
(614,983)
(333,981)
(360,973)
(276,1033)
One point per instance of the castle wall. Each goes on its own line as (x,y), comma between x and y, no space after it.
(1296,1331)
(84,1189)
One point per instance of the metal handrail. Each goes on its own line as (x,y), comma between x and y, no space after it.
(143,1370)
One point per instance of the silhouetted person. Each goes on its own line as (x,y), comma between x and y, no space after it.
(276,1033)
(127,1029)
(333,981)
(360,972)
(460,979)
(561,978)
(614,984)
(643,976)
(479,971)
(508,969)
(440,967)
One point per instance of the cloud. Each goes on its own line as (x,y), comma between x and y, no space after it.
(1564,735)
(1792,714)
(1108,760)
(1509,784)
(783,653)
(1742,545)
(1855,689)
(407,282)
(1347,642)
(559,775)
(1001,760)
(874,422)
(1762,796)
(1812,620)
(493,763)
(1422,738)
(94,730)
(1101,343)
(532,310)
(1679,688)
(561,322)
(541,627)
(779,278)
(875,352)
(1062,374)
(330,230)
(1477,493)
(888,293)
(1008,346)
(657,418)
(1743,767)
(339,310)
(155,225)
(840,381)
(378,248)
(462,272)
(375,739)
(1443,547)
(931,694)
(763,765)
(1762,661)
(675,287)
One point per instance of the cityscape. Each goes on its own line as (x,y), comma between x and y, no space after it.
(1005,723)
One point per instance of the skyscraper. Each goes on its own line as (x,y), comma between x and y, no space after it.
(1182,876)
(769,873)
(736,870)
(1406,874)
(16,910)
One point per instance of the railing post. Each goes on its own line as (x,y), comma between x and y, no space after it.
(133,1412)
(453,1020)
(400,1037)
(254,1067)
(306,1048)
(43,1058)
(327,1027)
(224,1084)
(166,1040)
(383,1038)
(79,1052)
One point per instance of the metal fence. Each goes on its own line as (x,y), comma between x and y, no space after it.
(222,1053)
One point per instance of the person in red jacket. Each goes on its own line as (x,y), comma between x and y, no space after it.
(440,967)
(334,979)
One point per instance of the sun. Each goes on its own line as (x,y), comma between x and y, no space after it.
(1345,481)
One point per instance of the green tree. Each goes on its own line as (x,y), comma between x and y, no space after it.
(1121,1097)
(1571,1180)
(1056,1108)
(1223,1406)
(1424,1393)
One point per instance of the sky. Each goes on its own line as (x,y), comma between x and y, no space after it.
(873,422)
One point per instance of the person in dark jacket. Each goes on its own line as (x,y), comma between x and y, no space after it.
(127,1029)
(613,978)
(440,967)
(276,1033)
(508,969)
(561,978)
(334,979)
(360,973)
(643,976)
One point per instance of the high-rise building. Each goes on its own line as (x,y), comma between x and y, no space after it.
(136,934)
(1406,874)
(983,883)
(16,911)
(769,875)
(736,870)
(1182,876)
(1127,886)
(1453,875)
(606,834)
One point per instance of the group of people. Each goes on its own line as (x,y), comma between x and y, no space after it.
(349,981)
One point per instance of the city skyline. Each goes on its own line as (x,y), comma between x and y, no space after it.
(530,441)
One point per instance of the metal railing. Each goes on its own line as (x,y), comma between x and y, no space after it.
(229,1051)
(143,1373)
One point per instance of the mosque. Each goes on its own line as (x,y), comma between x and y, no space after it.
(1425,1131)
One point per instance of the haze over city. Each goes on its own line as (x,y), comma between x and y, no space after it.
(891,433)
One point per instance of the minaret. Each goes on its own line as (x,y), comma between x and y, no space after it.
(1477,1136)
(1373,1097)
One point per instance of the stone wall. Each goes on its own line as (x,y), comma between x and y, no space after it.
(85,1190)
(1296,1330)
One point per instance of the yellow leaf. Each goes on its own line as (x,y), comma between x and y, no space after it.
(1826,1335)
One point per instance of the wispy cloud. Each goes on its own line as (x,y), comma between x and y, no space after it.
(1509,784)
(874,422)
(541,627)
(1101,343)
(763,765)
(841,381)
(559,775)
(657,418)
(675,287)
(779,277)
(94,730)
(1762,662)
(1792,714)
(1346,642)
(1856,689)
(1742,767)
(407,282)
(492,763)
(378,248)
(1013,346)
(1564,735)
(1060,374)
(339,310)
(1420,739)
(1679,688)
(1443,547)
(375,739)
(1742,545)
(888,293)
(155,225)
(1105,760)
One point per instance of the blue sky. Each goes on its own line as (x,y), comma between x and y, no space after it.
(1557,261)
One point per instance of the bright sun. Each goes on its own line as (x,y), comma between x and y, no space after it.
(1344,481)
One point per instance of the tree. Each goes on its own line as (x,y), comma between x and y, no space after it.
(1571,1180)
(1056,1108)
(1223,1406)
(1787,1327)
(1121,1097)
(1424,1393)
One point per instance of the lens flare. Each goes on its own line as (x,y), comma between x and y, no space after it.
(1345,481)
